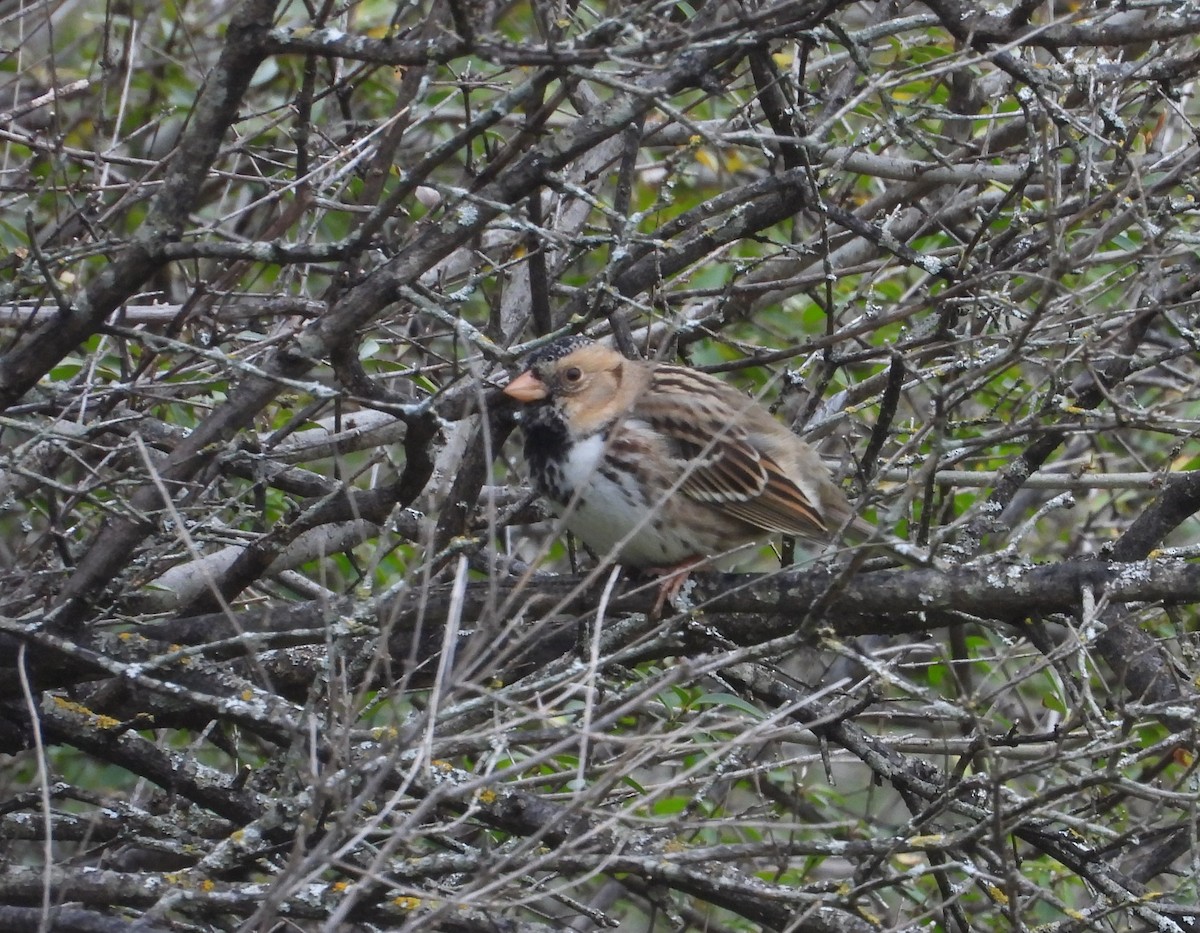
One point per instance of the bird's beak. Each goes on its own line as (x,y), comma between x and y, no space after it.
(526,388)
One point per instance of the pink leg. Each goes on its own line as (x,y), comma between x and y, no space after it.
(672,580)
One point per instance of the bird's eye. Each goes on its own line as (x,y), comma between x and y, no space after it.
(573,374)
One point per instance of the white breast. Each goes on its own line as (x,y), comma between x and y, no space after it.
(607,507)
(582,463)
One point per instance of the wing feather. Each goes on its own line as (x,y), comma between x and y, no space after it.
(716,461)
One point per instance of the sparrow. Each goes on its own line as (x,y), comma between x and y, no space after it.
(658,467)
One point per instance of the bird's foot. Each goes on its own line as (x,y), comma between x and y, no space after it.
(671,581)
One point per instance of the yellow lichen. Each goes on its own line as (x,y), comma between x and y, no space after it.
(98,720)
(999,896)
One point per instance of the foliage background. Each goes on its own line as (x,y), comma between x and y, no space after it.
(289,645)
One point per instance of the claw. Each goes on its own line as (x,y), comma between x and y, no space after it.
(672,580)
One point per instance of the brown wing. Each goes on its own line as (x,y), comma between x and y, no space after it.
(714,460)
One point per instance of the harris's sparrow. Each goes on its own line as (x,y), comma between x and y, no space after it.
(659,466)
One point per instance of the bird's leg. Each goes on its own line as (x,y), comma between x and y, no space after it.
(671,581)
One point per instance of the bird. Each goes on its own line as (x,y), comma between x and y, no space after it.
(659,467)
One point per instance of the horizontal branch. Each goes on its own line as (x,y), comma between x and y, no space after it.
(743,608)
(890,601)
(984,590)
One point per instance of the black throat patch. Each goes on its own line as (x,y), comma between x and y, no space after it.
(547,446)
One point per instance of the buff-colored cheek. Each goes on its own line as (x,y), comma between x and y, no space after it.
(587,411)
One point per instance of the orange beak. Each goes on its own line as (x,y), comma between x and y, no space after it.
(526,388)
